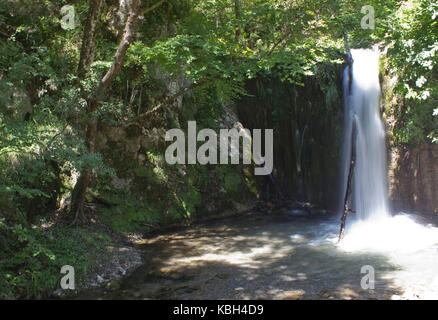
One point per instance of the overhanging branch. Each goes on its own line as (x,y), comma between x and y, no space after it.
(167,101)
(145,11)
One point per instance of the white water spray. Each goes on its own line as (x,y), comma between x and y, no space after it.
(362,108)
(410,245)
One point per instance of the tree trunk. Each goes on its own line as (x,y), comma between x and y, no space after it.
(85,60)
(79,192)
(89,39)
(237,7)
(80,189)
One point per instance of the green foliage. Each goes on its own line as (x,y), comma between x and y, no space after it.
(232,183)
(416,122)
(36,155)
(412,44)
(231,179)
(37,161)
(31,258)
(127,215)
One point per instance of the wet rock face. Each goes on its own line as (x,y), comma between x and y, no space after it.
(307,123)
(414,178)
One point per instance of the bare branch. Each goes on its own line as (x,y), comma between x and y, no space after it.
(145,11)
(122,49)
(167,101)
(279,42)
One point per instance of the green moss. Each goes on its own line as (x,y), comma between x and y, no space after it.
(232,183)
(251,185)
(129,216)
(190,201)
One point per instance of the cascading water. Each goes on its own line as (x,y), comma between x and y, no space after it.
(361,103)
(412,246)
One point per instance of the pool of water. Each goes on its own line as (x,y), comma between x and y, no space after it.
(290,255)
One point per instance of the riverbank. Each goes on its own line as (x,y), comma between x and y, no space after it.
(116,258)
(31,268)
(101,256)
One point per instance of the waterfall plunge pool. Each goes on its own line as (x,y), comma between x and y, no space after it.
(286,256)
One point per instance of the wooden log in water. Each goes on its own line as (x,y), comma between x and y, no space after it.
(348,189)
(349,61)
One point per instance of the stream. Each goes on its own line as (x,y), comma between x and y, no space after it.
(284,255)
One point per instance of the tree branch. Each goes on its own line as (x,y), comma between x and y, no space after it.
(167,101)
(347,49)
(4,34)
(122,49)
(80,189)
(89,39)
(279,41)
(349,61)
(145,11)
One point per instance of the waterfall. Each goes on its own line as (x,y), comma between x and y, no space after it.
(403,239)
(362,107)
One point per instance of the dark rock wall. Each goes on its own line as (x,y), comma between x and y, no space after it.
(414,178)
(307,124)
